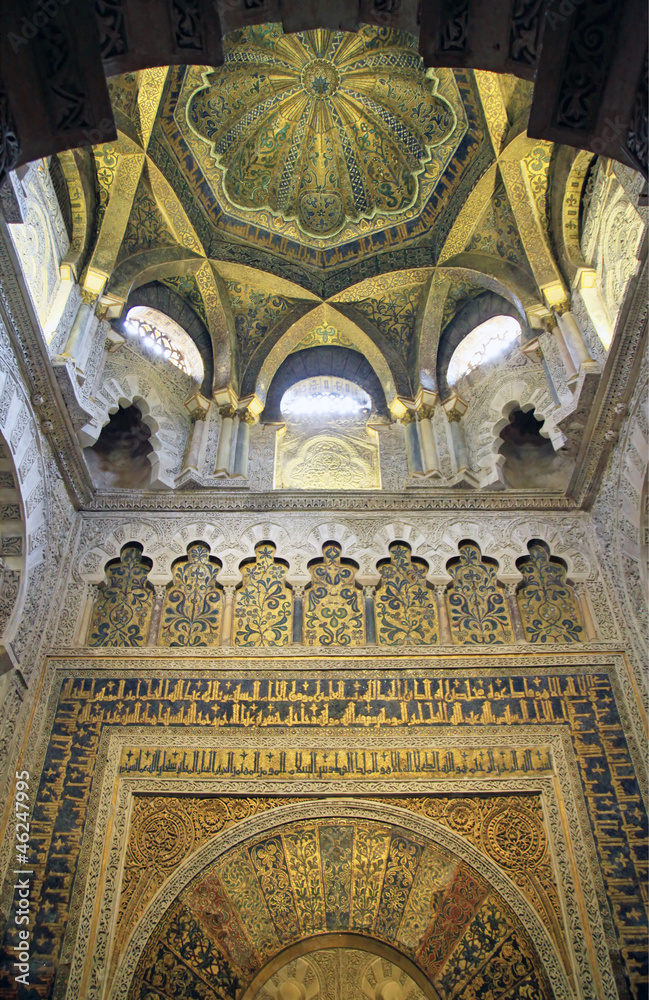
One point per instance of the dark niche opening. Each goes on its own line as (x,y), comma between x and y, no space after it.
(530,459)
(119,456)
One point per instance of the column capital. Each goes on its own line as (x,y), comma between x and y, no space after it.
(88,297)
(247,417)
(227,411)
(368,592)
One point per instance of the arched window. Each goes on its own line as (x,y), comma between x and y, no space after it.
(487,343)
(326,442)
(165,339)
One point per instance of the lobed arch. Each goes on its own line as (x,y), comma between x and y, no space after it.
(92,561)
(346,810)
(127,392)
(515,393)
(289,339)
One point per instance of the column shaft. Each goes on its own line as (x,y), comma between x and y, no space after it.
(76,346)
(515,613)
(225,440)
(370,623)
(194,442)
(413,451)
(442,613)
(298,615)
(242,447)
(428,447)
(156,615)
(228,610)
(584,603)
(84,624)
(459,445)
(566,356)
(574,339)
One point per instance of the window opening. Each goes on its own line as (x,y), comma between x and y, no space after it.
(487,343)
(165,339)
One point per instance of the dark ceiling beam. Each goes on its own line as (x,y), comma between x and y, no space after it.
(53,79)
(482,34)
(138,34)
(591,83)
(588,59)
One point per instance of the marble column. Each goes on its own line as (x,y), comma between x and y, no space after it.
(514,612)
(298,614)
(77,344)
(532,349)
(573,338)
(581,590)
(428,447)
(225,440)
(445,636)
(194,442)
(460,452)
(566,357)
(246,420)
(370,623)
(413,451)
(83,629)
(228,612)
(160,591)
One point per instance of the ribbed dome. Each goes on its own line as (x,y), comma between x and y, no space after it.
(321,127)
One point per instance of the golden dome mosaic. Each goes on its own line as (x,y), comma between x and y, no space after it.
(321,136)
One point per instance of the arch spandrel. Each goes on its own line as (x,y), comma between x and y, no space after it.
(394,879)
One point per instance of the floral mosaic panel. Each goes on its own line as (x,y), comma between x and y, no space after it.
(477,604)
(263,611)
(333,613)
(191,614)
(122,612)
(547,604)
(404,606)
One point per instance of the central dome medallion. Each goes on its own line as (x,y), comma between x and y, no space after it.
(324,128)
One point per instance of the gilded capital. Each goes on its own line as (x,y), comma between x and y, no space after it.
(88,296)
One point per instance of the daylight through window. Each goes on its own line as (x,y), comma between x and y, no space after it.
(485,344)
